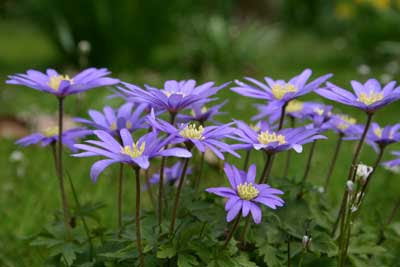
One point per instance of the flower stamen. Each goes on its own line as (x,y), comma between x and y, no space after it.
(294,106)
(50,131)
(370,98)
(266,137)
(134,150)
(280,90)
(247,191)
(56,80)
(192,132)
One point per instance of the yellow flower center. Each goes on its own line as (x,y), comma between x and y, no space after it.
(266,137)
(294,106)
(128,124)
(56,80)
(51,131)
(371,98)
(113,126)
(319,111)
(348,119)
(134,150)
(247,191)
(168,93)
(378,132)
(192,132)
(255,127)
(280,90)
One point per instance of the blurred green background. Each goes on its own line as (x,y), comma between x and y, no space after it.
(151,41)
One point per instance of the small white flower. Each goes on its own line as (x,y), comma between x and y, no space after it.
(364,69)
(350,186)
(16,156)
(354,208)
(363,171)
(306,241)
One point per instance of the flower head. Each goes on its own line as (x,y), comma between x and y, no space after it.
(62,85)
(274,141)
(198,136)
(393,164)
(133,153)
(171,174)
(279,92)
(245,195)
(49,136)
(344,124)
(112,121)
(174,97)
(201,113)
(368,97)
(294,109)
(319,114)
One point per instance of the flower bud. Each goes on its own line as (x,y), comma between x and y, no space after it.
(306,241)
(350,186)
(363,171)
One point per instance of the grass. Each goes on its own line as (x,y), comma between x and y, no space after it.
(28,189)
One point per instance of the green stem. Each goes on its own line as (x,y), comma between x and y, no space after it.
(333,162)
(232,231)
(85,226)
(282,117)
(352,168)
(64,199)
(307,169)
(149,187)
(119,198)
(177,195)
(137,218)
(246,160)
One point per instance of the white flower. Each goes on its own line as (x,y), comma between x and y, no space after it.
(306,241)
(16,156)
(363,171)
(350,186)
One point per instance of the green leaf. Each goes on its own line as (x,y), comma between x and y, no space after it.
(166,251)
(185,260)
(243,261)
(269,253)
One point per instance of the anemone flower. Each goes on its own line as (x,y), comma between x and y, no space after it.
(174,97)
(198,136)
(378,137)
(368,97)
(62,85)
(132,153)
(393,163)
(201,114)
(112,121)
(50,136)
(279,92)
(274,141)
(319,114)
(294,109)
(245,195)
(345,125)
(171,174)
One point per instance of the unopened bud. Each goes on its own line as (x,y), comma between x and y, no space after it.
(363,171)
(306,241)
(350,186)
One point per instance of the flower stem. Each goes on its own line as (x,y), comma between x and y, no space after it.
(137,218)
(246,160)
(198,177)
(282,117)
(119,198)
(352,169)
(60,168)
(149,187)
(232,231)
(78,204)
(307,169)
(161,182)
(263,179)
(289,152)
(333,162)
(177,195)
(393,213)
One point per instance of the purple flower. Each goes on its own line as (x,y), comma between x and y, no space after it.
(271,141)
(199,136)
(171,174)
(245,195)
(368,97)
(279,92)
(50,135)
(345,125)
(113,121)
(294,109)
(133,153)
(201,113)
(174,97)
(393,163)
(62,85)
(379,137)
(320,115)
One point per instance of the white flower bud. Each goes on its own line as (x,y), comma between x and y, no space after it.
(306,241)
(363,171)
(16,156)
(350,186)
(84,47)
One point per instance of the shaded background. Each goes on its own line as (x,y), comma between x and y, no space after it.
(151,41)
